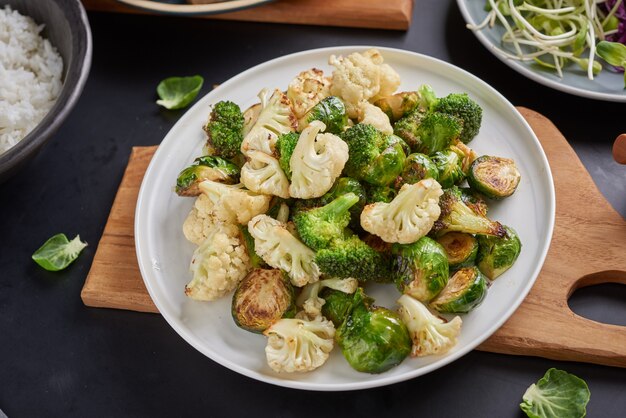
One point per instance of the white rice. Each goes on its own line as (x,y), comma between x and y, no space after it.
(30,76)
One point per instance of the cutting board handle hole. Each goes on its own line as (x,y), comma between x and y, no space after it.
(606,289)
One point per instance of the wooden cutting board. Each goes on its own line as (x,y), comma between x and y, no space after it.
(375,14)
(588,247)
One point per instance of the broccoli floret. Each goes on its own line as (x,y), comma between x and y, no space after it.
(342,186)
(461,106)
(374,157)
(225,129)
(320,226)
(428,132)
(285,145)
(351,257)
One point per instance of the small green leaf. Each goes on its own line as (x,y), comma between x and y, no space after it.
(178,92)
(57,253)
(556,394)
(612,52)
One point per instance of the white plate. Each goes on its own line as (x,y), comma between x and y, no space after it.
(164,254)
(607,85)
(181,8)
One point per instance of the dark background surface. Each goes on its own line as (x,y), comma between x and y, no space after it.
(59,358)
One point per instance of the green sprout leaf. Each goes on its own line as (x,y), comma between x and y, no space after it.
(556,394)
(612,52)
(178,92)
(57,253)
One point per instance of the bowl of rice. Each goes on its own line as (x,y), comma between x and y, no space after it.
(45,57)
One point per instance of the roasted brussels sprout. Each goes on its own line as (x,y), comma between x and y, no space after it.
(474,201)
(406,128)
(208,167)
(417,167)
(497,255)
(449,166)
(329,110)
(372,339)
(399,104)
(457,216)
(465,290)
(460,247)
(263,297)
(380,194)
(495,177)
(421,269)
(338,304)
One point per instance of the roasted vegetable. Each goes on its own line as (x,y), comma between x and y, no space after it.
(262,174)
(408,217)
(474,201)
(262,298)
(417,167)
(316,162)
(320,226)
(373,156)
(399,104)
(465,290)
(430,334)
(285,145)
(225,129)
(497,254)
(420,269)
(306,90)
(309,298)
(461,249)
(457,216)
(330,111)
(342,186)
(338,304)
(206,168)
(372,339)
(299,345)
(461,106)
(351,257)
(494,177)
(449,165)
(256,262)
(383,194)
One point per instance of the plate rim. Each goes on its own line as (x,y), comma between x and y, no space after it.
(222,6)
(146,264)
(534,75)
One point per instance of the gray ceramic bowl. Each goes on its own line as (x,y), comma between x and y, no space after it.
(68,30)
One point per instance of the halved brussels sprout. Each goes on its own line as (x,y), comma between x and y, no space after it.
(263,297)
(465,290)
(338,304)
(421,268)
(449,166)
(495,177)
(460,247)
(372,339)
(474,201)
(329,110)
(209,167)
(417,167)
(497,255)
(399,104)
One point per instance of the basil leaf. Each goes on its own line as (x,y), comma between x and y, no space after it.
(57,253)
(178,92)
(557,394)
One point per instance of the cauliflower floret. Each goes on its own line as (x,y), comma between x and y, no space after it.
(299,345)
(430,334)
(312,304)
(262,174)
(200,220)
(307,89)
(373,115)
(280,249)
(275,118)
(362,77)
(218,264)
(233,203)
(408,217)
(316,162)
